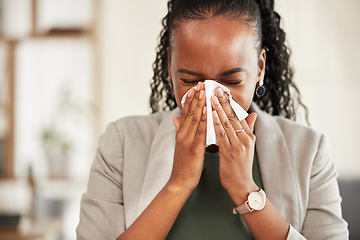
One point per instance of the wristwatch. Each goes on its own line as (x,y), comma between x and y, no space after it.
(256,201)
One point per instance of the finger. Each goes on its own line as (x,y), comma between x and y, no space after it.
(186,106)
(246,127)
(200,137)
(176,121)
(225,104)
(251,121)
(220,132)
(194,121)
(193,114)
(225,122)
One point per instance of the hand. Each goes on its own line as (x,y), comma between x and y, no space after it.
(190,140)
(236,149)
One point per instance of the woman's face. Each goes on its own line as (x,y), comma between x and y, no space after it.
(219,48)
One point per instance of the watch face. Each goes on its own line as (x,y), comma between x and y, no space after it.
(256,201)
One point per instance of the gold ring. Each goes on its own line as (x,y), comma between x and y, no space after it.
(240,130)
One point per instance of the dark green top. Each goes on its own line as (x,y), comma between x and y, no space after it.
(207,214)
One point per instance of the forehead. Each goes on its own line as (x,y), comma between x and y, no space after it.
(213,37)
(219,23)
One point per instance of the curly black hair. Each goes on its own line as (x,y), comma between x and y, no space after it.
(282,95)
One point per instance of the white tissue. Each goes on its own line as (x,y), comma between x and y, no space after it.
(210,86)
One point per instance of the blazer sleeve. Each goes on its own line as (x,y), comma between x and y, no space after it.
(102,207)
(323,218)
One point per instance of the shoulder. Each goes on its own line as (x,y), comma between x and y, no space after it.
(304,145)
(303,141)
(125,136)
(307,148)
(139,123)
(152,120)
(295,134)
(294,131)
(141,127)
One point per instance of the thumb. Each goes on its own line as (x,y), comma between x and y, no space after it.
(251,120)
(176,121)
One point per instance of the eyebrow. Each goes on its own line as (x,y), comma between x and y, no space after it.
(232,71)
(223,74)
(183,70)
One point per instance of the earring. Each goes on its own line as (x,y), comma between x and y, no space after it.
(169,87)
(260,90)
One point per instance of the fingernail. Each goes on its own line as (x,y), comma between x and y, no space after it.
(198,86)
(202,92)
(220,92)
(215,115)
(204,110)
(215,99)
(190,93)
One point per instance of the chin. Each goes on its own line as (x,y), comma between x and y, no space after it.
(212,148)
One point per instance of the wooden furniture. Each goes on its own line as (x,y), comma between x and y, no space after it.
(11,43)
(38,229)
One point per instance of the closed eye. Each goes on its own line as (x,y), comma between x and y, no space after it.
(225,82)
(189,81)
(235,82)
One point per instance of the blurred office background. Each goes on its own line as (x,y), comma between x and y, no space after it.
(69,67)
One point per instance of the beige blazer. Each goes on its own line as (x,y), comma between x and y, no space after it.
(134,161)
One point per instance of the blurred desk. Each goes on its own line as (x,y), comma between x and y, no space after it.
(54,203)
(49,229)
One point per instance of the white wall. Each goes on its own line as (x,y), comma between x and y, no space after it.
(129,31)
(323,36)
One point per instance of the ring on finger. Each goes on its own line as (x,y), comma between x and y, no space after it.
(239,130)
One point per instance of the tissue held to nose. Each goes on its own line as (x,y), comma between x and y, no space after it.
(210,86)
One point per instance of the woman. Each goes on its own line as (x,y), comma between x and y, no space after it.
(150,180)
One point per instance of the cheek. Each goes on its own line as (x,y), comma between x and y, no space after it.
(179,92)
(244,96)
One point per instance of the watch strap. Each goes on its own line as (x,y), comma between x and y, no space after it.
(245,208)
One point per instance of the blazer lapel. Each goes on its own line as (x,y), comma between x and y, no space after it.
(276,167)
(160,162)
